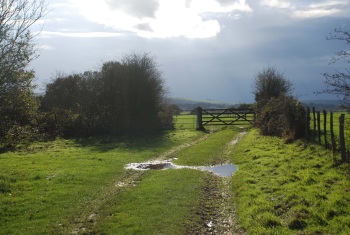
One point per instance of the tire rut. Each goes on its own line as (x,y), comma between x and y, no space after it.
(87,220)
(215,213)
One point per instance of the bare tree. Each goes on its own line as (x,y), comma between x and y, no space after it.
(17,50)
(270,83)
(338,83)
(16,41)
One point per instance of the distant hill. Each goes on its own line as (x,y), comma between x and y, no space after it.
(329,105)
(188,104)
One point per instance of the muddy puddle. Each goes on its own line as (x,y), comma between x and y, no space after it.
(224,170)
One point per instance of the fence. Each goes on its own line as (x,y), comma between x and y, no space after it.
(330,129)
(198,118)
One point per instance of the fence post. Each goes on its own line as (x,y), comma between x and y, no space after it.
(307,124)
(325,128)
(314,116)
(342,137)
(334,145)
(199,119)
(319,127)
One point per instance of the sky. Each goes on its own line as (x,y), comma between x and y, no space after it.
(205,49)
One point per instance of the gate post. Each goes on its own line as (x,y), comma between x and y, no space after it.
(199,119)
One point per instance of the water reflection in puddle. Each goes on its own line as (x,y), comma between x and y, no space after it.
(220,170)
(155,166)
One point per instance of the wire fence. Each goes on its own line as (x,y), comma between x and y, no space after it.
(330,129)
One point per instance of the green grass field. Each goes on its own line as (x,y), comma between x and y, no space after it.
(189,121)
(336,115)
(185,121)
(81,186)
(289,189)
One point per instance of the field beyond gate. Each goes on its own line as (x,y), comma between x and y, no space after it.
(199,118)
(240,117)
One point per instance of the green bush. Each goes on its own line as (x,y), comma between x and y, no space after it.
(284,117)
(123,97)
(20,135)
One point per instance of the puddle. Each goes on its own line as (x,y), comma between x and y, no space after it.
(155,166)
(222,170)
(219,170)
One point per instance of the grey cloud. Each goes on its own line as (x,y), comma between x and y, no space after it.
(137,8)
(144,27)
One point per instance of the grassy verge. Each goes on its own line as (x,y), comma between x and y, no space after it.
(289,189)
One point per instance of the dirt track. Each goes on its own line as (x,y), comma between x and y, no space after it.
(216,210)
(216,205)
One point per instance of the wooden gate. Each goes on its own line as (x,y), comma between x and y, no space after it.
(207,117)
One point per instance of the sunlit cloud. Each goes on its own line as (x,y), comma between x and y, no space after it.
(314,9)
(276,3)
(323,8)
(315,12)
(161,18)
(47,34)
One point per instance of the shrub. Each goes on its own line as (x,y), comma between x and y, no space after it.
(20,135)
(122,97)
(284,117)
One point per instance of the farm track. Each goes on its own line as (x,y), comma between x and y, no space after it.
(216,209)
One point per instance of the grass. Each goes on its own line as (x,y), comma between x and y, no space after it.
(185,121)
(211,151)
(80,186)
(289,189)
(160,204)
(45,188)
(336,116)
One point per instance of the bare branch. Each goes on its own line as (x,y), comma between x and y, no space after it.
(16,41)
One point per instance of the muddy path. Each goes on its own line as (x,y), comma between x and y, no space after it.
(215,210)
(216,207)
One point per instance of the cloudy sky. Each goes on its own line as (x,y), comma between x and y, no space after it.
(206,49)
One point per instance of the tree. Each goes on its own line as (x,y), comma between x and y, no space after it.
(126,96)
(338,83)
(17,50)
(62,104)
(145,90)
(278,113)
(16,41)
(270,83)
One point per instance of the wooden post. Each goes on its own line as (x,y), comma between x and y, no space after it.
(199,119)
(318,127)
(254,121)
(334,145)
(308,124)
(342,137)
(325,128)
(314,115)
